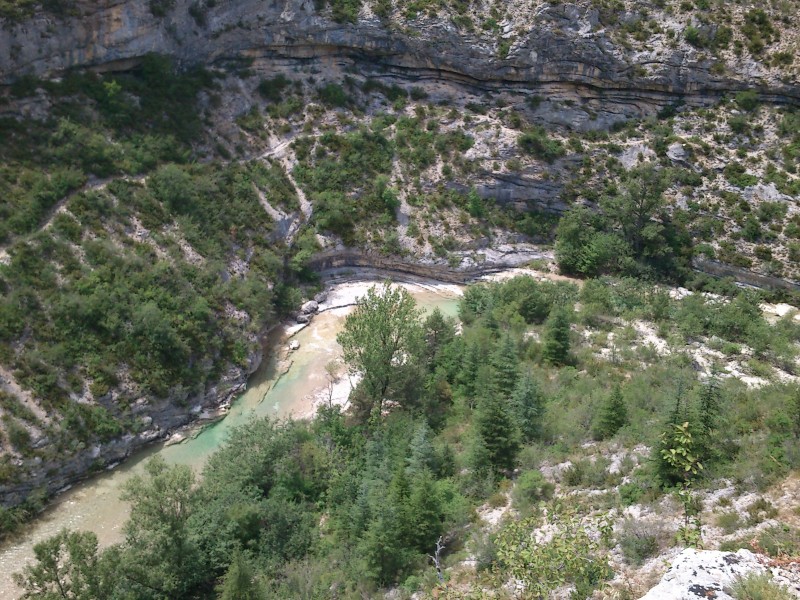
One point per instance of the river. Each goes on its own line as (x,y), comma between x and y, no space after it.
(286,384)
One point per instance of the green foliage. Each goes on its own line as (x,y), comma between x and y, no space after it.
(531,488)
(334,95)
(161,554)
(678,450)
(538,144)
(66,567)
(309,506)
(344,11)
(747,100)
(161,8)
(162,316)
(583,249)
(570,556)
(240,581)
(138,119)
(381,340)
(612,415)
(497,435)
(521,297)
(634,234)
(637,541)
(556,345)
(737,175)
(758,30)
(343,180)
(504,368)
(272,89)
(528,402)
(759,586)
(634,211)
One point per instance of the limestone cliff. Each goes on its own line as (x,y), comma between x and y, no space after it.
(569,50)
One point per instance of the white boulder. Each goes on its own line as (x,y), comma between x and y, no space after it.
(697,574)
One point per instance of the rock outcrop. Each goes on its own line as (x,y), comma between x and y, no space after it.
(160,419)
(706,574)
(562,52)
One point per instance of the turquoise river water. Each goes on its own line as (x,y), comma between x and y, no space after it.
(95,505)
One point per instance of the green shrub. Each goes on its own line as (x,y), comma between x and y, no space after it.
(759,586)
(737,175)
(18,435)
(729,522)
(344,11)
(537,143)
(760,510)
(160,8)
(586,473)
(630,493)
(747,100)
(531,487)
(638,541)
(739,124)
(694,37)
(272,89)
(775,541)
(334,95)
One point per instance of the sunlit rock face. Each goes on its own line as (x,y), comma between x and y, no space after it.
(559,52)
(710,574)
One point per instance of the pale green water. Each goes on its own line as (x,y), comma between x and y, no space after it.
(95,505)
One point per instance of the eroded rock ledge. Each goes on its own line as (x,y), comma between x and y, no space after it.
(564,51)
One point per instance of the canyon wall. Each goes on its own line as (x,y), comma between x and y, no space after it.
(560,50)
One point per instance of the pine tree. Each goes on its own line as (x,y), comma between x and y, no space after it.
(425,512)
(504,365)
(422,455)
(709,405)
(240,581)
(709,412)
(438,332)
(794,412)
(469,369)
(498,433)
(527,402)
(613,414)
(556,338)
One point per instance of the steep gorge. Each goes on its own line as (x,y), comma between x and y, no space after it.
(563,66)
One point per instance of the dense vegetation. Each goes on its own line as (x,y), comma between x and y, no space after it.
(140,258)
(353,501)
(142,285)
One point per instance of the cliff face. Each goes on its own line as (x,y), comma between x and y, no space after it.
(553,50)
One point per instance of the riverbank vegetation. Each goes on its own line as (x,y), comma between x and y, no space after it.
(546,391)
(155,221)
(125,282)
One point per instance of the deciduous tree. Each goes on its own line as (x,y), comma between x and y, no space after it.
(381,341)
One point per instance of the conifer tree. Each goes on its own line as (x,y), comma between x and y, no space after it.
(527,402)
(794,412)
(504,365)
(425,512)
(438,332)
(613,414)
(498,433)
(709,405)
(709,413)
(469,369)
(422,455)
(240,581)
(556,338)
